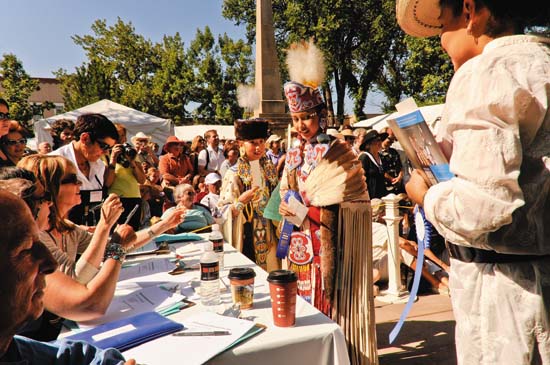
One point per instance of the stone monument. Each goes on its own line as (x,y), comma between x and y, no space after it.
(268,78)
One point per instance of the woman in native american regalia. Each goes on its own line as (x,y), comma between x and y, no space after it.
(331,250)
(246,189)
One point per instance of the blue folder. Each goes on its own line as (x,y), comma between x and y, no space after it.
(180,237)
(147,327)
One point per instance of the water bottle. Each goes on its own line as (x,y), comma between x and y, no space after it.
(210,277)
(216,238)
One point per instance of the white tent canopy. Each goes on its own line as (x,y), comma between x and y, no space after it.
(431,114)
(188,132)
(134,121)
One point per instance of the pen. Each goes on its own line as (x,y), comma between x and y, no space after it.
(207,333)
(131,214)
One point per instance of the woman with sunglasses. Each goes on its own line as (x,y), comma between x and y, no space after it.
(86,287)
(4,124)
(13,144)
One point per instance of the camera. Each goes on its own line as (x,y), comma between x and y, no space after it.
(128,154)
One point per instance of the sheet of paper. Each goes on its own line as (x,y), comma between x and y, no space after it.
(185,348)
(152,298)
(189,248)
(256,173)
(299,209)
(144,268)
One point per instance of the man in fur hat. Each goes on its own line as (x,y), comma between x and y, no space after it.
(333,261)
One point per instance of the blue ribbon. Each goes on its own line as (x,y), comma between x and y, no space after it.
(286,231)
(423,243)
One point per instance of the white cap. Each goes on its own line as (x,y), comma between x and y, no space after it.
(212,178)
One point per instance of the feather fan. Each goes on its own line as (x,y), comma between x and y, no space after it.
(306,64)
(247,97)
(337,178)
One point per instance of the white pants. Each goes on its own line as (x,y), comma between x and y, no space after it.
(502,312)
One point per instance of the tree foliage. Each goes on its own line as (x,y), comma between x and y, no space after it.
(416,67)
(18,87)
(162,78)
(359,40)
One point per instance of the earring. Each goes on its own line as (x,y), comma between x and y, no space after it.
(323,124)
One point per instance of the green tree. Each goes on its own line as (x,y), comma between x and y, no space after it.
(352,34)
(363,45)
(173,79)
(417,67)
(162,78)
(218,68)
(18,87)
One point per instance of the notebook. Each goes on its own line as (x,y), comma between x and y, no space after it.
(126,333)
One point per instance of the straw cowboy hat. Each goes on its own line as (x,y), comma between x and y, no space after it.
(140,136)
(419,18)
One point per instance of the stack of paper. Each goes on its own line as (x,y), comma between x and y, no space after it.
(174,347)
(152,298)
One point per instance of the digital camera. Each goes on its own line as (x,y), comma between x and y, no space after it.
(128,154)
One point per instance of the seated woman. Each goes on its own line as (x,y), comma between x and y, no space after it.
(197,217)
(70,292)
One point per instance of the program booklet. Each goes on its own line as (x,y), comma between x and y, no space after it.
(419,144)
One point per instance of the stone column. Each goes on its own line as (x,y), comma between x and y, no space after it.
(396,293)
(268,78)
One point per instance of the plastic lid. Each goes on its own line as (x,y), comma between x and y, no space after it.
(282,277)
(241,273)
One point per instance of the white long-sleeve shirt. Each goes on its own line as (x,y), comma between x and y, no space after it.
(495,129)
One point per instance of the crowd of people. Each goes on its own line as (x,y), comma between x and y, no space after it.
(72,211)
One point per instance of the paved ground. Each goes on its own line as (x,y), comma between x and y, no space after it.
(427,337)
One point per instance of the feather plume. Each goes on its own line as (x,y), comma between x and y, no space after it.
(337,178)
(306,64)
(248,97)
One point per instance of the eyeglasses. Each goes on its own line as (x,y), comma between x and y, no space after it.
(13,142)
(71,179)
(104,146)
(4,116)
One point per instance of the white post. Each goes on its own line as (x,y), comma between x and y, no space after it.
(396,290)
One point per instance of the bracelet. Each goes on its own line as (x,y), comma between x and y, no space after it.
(239,206)
(151,233)
(115,251)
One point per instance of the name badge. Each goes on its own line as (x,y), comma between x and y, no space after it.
(96,196)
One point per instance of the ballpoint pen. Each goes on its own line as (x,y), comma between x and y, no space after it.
(131,214)
(205,333)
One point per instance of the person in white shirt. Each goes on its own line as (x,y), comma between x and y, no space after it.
(213,183)
(495,212)
(95,135)
(211,158)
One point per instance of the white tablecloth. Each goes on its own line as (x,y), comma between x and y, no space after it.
(315,339)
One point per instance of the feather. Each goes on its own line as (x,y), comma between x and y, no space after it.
(337,178)
(248,97)
(306,64)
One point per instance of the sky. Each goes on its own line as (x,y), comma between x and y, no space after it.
(39,32)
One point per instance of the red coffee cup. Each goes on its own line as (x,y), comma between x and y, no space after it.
(283,288)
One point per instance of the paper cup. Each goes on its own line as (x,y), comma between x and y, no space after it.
(242,286)
(283,290)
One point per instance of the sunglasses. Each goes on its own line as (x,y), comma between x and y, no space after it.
(13,142)
(71,179)
(4,116)
(104,146)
